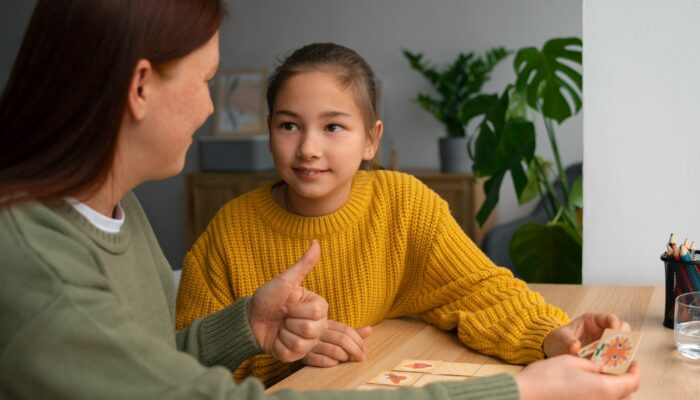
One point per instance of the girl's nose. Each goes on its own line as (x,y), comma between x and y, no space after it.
(310,146)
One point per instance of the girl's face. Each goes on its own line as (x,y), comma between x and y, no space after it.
(318,140)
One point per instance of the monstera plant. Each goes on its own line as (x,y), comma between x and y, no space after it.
(548,86)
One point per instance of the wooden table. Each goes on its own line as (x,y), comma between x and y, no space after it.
(665,375)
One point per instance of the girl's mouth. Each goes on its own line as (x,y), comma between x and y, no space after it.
(309,173)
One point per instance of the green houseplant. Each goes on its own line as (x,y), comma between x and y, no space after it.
(506,143)
(459,99)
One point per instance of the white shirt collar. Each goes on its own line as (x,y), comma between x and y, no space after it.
(101,222)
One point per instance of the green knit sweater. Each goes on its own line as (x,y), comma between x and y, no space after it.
(86,314)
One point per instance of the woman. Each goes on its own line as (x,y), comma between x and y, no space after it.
(104,96)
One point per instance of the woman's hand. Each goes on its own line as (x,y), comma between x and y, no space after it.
(570,377)
(580,332)
(338,344)
(286,319)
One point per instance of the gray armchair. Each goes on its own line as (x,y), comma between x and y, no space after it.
(497,240)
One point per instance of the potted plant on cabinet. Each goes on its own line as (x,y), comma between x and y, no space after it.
(459,100)
(506,142)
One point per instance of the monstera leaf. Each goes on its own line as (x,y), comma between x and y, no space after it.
(541,73)
(547,253)
(477,106)
(503,145)
(576,195)
(537,167)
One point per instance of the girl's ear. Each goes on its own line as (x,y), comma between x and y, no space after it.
(372,145)
(140,89)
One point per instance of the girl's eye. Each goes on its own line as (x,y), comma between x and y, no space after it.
(335,128)
(288,126)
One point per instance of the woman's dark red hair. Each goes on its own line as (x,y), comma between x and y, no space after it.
(62,106)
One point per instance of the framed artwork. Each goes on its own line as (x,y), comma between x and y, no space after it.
(240,103)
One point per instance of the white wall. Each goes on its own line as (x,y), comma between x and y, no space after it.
(641,135)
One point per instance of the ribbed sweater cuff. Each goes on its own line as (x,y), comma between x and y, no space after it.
(226,338)
(531,347)
(497,387)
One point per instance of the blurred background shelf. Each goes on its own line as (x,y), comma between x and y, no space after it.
(207,192)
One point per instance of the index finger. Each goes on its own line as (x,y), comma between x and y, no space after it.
(347,331)
(315,307)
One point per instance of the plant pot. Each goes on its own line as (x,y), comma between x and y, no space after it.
(453,155)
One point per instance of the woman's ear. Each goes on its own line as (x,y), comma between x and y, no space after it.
(375,137)
(269,133)
(140,89)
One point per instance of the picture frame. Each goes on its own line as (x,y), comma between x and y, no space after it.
(240,103)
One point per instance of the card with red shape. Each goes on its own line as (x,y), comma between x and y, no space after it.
(424,366)
(395,378)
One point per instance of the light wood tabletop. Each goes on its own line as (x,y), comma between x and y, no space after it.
(665,374)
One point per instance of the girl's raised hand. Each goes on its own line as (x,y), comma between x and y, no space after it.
(286,319)
(338,344)
(580,332)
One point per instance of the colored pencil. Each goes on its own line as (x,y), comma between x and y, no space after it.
(692,251)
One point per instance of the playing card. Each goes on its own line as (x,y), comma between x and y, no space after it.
(426,366)
(588,349)
(431,378)
(394,378)
(493,369)
(459,369)
(376,387)
(616,350)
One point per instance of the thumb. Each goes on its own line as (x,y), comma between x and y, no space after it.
(574,346)
(296,273)
(364,332)
(607,320)
(583,364)
(597,365)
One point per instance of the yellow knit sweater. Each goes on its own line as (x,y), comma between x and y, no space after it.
(392,250)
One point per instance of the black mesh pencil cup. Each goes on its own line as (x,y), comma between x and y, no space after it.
(682,276)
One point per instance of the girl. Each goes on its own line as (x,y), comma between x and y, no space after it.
(390,245)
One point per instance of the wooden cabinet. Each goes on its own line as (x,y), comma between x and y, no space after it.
(207,192)
(464,194)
